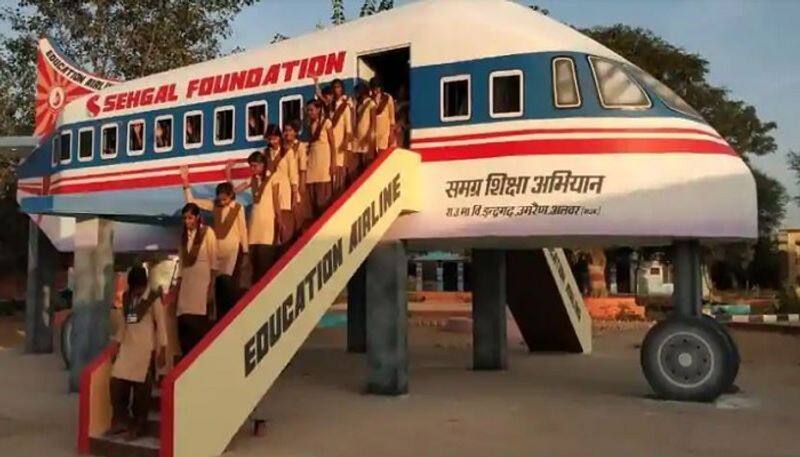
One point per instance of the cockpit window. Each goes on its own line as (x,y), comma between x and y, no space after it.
(566,93)
(617,90)
(670,98)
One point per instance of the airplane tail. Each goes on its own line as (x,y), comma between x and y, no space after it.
(58,82)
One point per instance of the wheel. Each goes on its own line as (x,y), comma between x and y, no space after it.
(66,341)
(685,358)
(733,349)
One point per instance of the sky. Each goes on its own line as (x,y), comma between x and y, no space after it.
(753,47)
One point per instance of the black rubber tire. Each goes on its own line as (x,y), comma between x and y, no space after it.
(686,359)
(66,341)
(733,348)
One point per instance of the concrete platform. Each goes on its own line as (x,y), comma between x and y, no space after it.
(545,404)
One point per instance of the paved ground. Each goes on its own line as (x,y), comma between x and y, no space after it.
(546,404)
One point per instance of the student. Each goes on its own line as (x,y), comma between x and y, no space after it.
(285,183)
(193,129)
(261,227)
(136,140)
(364,142)
(321,158)
(274,140)
(302,205)
(142,337)
(384,115)
(255,124)
(342,127)
(229,226)
(198,268)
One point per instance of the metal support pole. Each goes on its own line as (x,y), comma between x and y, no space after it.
(688,292)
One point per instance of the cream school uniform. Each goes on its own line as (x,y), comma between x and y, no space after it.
(384,121)
(302,210)
(261,229)
(319,157)
(364,135)
(342,128)
(139,340)
(228,244)
(196,278)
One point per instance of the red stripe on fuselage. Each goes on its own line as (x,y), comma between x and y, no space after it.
(574,146)
(429,154)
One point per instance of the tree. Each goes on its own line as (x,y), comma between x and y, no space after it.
(279,37)
(368,8)
(338,17)
(121,39)
(385,5)
(115,38)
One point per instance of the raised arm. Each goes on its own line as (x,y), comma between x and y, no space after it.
(203,203)
(238,188)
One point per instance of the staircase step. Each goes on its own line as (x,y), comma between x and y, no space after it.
(116,446)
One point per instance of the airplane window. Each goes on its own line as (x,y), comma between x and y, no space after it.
(565,83)
(136,137)
(256,120)
(163,134)
(455,102)
(506,93)
(223,126)
(193,130)
(65,147)
(56,149)
(291,109)
(615,87)
(85,144)
(670,98)
(108,142)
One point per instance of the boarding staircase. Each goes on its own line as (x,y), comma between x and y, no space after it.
(206,398)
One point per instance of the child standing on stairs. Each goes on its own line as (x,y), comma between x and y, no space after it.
(229,226)
(261,229)
(142,338)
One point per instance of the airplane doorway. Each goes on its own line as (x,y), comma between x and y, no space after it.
(393,67)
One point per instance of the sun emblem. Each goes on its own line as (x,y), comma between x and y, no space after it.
(56,97)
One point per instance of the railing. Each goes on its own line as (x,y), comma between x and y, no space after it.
(209,394)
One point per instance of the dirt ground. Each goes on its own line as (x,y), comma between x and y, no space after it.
(545,404)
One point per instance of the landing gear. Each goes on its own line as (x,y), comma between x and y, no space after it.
(689,357)
(733,350)
(686,358)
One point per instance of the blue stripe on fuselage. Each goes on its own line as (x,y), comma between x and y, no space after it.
(424,106)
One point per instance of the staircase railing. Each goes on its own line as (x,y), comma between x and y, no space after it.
(210,393)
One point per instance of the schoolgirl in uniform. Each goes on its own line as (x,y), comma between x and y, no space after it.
(321,158)
(229,225)
(364,141)
(142,342)
(261,227)
(302,204)
(198,269)
(341,117)
(384,115)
